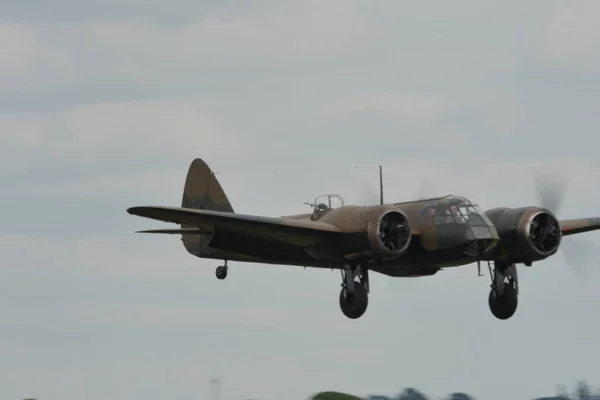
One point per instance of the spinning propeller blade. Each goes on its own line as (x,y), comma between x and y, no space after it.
(367,195)
(551,187)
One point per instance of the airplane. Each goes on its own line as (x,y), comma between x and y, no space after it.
(406,239)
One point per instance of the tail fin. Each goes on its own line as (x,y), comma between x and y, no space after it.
(202,191)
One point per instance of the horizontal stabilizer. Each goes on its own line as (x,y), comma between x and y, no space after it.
(186,231)
(291,231)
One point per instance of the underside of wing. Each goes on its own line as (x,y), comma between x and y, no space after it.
(293,232)
(579,225)
(182,231)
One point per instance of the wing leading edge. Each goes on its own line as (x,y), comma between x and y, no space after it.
(579,225)
(284,230)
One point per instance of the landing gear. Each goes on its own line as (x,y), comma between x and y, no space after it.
(354,296)
(221,271)
(504,294)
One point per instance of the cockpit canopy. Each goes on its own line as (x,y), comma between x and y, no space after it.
(454,209)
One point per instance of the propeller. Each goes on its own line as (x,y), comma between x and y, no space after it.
(393,232)
(551,188)
(425,190)
(368,195)
(543,234)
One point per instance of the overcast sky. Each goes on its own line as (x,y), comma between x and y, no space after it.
(103,104)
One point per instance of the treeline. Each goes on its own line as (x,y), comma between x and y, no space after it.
(582,392)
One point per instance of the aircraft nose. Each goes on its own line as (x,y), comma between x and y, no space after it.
(480,240)
(480,232)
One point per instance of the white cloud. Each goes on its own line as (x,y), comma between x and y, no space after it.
(405,108)
(14,240)
(147,52)
(178,126)
(25,134)
(570,36)
(98,56)
(19,47)
(85,252)
(128,130)
(28,60)
(295,32)
(501,111)
(141,185)
(129,284)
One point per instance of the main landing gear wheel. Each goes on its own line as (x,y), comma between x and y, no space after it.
(504,294)
(355,304)
(354,296)
(221,271)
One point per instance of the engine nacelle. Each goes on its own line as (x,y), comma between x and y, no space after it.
(527,234)
(389,234)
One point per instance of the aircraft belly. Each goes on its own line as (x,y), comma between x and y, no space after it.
(217,254)
(426,260)
(251,248)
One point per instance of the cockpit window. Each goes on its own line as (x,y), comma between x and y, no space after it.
(322,207)
(454,209)
(328,202)
(325,203)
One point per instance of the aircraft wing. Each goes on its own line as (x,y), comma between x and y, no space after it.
(579,225)
(186,231)
(284,230)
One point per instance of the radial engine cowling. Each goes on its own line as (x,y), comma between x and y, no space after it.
(389,234)
(527,234)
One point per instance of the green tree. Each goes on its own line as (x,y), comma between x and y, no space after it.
(334,396)
(460,396)
(583,391)
(412,394)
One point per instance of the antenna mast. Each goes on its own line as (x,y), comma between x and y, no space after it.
(216,388)
(380,186)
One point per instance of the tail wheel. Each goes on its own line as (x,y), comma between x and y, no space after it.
(221,272)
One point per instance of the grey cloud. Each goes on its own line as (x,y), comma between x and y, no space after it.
(570,35)
(18,49)
(83,134)
(107,312)
(103,59)
(407,107)
(143,52)
(70,10)
(104,106)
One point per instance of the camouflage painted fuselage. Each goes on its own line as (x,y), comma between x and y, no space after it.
(438,239)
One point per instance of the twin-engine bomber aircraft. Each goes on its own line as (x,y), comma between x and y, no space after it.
(408,239)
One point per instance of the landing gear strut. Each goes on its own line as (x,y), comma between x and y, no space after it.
(504,294)
(221,271)
(354,296)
